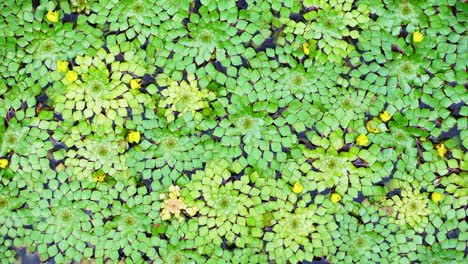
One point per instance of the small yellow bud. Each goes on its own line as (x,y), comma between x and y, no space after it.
(135,83)
(52,16)
(362,140)
(436,197)
(100,178)
(441,149)
(370,128)
(305,48)
(335,197)
(134,137)
(417,37)
(4,163)
(62,66)
(385,116)
(72,76)
(298,188)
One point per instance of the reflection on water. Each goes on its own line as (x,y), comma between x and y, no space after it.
(23,257)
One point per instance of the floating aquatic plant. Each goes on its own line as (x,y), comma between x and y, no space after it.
(254,131)
(410,209)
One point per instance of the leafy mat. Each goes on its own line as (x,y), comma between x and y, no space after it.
(207,131)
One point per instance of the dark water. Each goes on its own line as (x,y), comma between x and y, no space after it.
(25,258)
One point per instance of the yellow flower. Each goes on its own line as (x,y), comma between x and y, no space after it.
(436,197)
(335,197)
(362,140)
(72,76)
(417,37)
(385,116)
(370,128)
(441,149)
(99,176)
(62,66)
(305,48)
(52,16)
(134,137)
(298,188)
(135,83)
(3,163)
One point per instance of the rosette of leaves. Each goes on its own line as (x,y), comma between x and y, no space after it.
(407,71)
(170,151)
(224,206)
(392,15)
(26,140)
(356,242)
(12,137)
(61,225)
(346,105)
(251,129)
(401,139)
(298,234)
(45,45)
(246,123)
(210,34)
(130,223)
(327,24)
(136,18)
(96,91)
(184,97)
(399,70)
(436,254)
(410,209)
(97,153)
(334,168)
(296,81)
